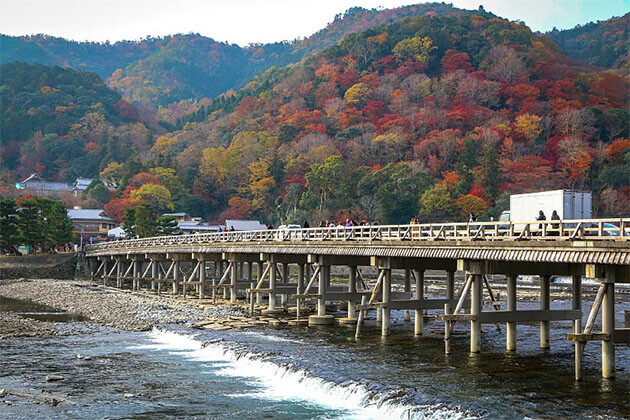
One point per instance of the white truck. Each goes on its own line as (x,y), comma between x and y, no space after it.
(568,203)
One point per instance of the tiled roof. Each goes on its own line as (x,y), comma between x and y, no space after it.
(89,214)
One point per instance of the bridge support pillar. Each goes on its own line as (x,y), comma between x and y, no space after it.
(418,315)
(224,265)
(202,278)
(407,288)
(105,270)
(119,272)
(233,280)
(285,280)
(137,272)
(324,279)
(300,289)
(511,306)
(352,288)
(450,284)
(576,290)
(608,327)
(474,271)
(176,277)
(260,271)
(154,272)
(544,305)
(272,283)
(387,291)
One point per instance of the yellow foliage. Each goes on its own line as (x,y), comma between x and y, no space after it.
(470,204)
(163,145)
(112,173)
(357,94)
(528,125)
(414,49)
(155,194)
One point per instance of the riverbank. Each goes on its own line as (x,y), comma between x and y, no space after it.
(102,305)
(50,266)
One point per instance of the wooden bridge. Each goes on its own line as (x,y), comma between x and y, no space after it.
(293,267)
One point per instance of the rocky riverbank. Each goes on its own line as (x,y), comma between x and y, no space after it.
(99,305)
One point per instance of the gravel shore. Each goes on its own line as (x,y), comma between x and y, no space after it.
(131,311)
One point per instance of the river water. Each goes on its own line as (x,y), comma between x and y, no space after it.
(174,372)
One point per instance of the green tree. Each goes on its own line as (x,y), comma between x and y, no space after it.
(30,223)
(98,192)
(490,171)
(145,221)
(58,224)
(129,222)
(324,178)
(9,234)
(167,225)
(437,204)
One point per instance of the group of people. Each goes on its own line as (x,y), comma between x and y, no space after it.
(554,216)
(348,223)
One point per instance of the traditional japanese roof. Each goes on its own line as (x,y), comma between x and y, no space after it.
(89,214)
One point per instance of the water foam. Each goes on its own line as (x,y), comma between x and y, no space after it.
(285,383)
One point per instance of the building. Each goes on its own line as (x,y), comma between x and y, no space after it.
(80,185)
(35,185)
(116,233)
(180,216)
(91,223)
(244,225)
(197,226)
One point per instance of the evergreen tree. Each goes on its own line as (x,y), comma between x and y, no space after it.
(59,226)
(9,234)
(146,224)
(167,225)
(129,222)
(30,223)
(490,171)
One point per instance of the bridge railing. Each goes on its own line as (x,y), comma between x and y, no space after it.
(552,230)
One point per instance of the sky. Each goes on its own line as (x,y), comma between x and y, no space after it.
(253,21)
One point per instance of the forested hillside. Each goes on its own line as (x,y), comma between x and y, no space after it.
(602,43)
(63,123)
(434,115)
(160,71)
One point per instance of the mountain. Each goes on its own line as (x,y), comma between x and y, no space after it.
(62,122)
(160,71)
(441,115)
(602,43)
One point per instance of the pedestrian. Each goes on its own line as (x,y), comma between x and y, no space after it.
(555,226)
(306,225)
(541,216)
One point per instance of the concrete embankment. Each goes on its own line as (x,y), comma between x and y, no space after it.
(55,266)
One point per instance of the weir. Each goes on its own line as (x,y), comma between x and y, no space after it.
(294,274)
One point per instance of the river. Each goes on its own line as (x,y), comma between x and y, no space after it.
(174,372)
